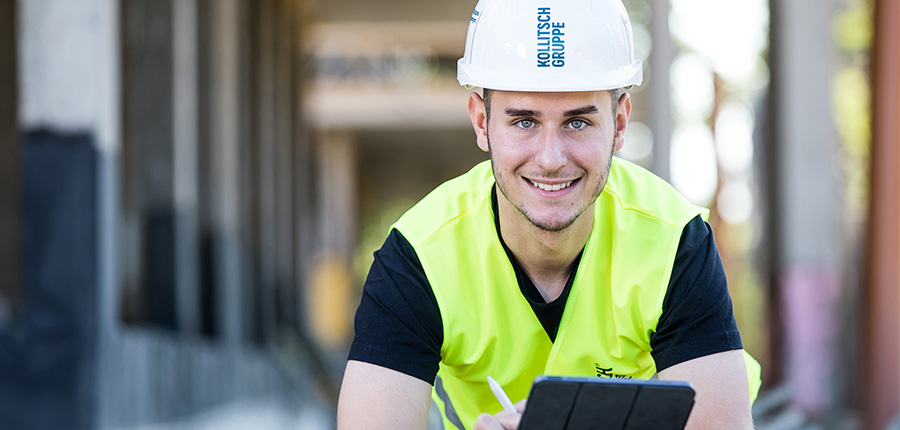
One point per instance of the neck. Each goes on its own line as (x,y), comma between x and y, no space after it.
(546,256)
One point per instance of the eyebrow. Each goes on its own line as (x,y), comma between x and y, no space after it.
(581,111)
(533,113)
(521,112)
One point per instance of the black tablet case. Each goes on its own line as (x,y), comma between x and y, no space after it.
(559,403)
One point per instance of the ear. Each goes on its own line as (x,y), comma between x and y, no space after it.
(478,115)
(623,112)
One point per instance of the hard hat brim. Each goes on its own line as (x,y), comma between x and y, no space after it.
(623,77)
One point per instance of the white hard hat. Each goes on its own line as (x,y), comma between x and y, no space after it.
(549,45)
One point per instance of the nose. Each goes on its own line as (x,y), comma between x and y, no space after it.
(550,151)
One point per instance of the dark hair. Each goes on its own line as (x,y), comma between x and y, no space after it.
(486,95)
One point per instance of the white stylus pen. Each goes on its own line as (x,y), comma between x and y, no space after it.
(501,396)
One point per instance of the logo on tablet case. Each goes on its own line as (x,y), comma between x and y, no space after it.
(607,372)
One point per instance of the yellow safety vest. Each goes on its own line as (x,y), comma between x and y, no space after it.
(489,327)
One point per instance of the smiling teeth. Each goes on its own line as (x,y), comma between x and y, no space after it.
(548,187)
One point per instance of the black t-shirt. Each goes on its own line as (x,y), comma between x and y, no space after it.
(398,322)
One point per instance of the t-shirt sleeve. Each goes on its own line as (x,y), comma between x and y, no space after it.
(697,317)
(398,322)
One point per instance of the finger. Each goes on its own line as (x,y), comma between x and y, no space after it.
(509,421)
(487,422)
(520,405)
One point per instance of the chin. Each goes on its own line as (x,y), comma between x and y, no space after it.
(552,225)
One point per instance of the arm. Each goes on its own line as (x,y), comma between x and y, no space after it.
(375,397)
(395,353)
(723,397)
(697,339)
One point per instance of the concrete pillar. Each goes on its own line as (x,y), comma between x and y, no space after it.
(69,96)
(160,117)
(205,151)
(304,176)
(273,148)
(224,152)
(10,254)
(660,111)
(185,140)
(286,101)
(808,206)
(148,154)
(266,143)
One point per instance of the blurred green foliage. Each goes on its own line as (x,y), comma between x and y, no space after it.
(851,100)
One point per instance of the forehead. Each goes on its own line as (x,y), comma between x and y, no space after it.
(549,102)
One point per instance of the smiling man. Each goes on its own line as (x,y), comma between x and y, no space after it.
(553,258)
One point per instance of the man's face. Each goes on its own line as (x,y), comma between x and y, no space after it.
(551,152)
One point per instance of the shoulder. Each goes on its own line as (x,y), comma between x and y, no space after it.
(697,318)
(634,188)
(398,323)
(447,203)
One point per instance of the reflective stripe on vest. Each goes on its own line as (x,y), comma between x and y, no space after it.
(448,412)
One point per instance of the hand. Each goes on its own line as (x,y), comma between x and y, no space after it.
(502,421)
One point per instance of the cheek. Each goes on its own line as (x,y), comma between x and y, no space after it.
(592,154)
(507,152)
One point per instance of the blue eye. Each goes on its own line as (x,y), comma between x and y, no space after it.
(577,124)
(525,123)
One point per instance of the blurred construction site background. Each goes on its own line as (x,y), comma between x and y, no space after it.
(191,192)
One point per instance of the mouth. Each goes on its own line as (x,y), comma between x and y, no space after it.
(552,187)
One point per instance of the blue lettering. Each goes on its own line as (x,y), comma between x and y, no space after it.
(551,47)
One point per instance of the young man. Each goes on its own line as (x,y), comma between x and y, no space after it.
(554,257)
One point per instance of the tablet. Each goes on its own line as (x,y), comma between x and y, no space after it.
(581,403)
